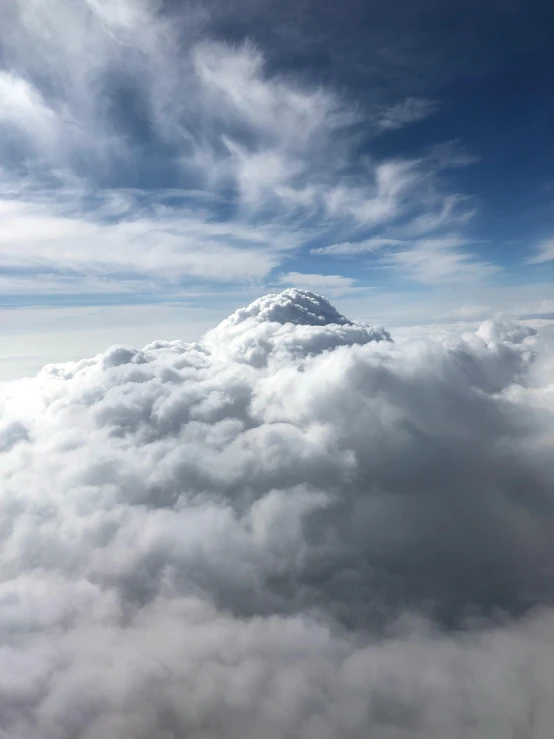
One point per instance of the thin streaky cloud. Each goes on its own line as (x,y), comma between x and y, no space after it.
(545,253)
(348,248)
(435,261)
(410,110)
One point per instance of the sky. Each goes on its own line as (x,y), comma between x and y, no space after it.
(163,163)
(276,369)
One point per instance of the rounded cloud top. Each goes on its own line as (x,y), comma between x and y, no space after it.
(291,324)
(291,306)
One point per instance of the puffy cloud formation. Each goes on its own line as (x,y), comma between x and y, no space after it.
(295,323)
(281,531)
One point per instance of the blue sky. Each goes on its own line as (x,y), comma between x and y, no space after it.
(163,163)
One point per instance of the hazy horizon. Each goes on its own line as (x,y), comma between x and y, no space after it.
(164,163)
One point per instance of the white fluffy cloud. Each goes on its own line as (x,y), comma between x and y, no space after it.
(272,532)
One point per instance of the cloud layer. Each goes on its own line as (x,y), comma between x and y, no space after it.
(277,531)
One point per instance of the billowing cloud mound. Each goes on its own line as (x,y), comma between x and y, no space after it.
(293,323)
(291,306)
(278,532)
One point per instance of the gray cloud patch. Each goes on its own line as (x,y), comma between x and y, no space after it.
(279,532)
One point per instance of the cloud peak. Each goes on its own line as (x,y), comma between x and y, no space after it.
(294,305)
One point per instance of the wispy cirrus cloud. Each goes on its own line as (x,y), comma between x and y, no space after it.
(24,109)
(114,103)
(164,245)
(407,111)
(350,248)
(439,260)
(544,253)
(432,260)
